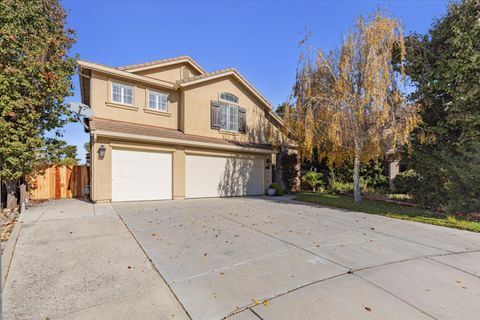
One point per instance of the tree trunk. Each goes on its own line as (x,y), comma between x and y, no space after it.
(356,175)
(11,187)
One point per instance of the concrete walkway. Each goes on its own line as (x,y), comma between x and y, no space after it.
(241,258)
(75,260)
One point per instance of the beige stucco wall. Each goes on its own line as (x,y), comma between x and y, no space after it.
(103,107)
(171,73)
(196,113)
(188,111)
(188,108)
(101,188)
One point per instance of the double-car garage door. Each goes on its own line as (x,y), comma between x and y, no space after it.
(139,175)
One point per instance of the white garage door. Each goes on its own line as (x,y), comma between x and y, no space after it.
(219,176)
(138,175)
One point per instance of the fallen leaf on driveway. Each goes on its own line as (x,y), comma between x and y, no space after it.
(266,303)
(368,309)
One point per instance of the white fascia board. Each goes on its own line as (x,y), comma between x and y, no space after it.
(126,75)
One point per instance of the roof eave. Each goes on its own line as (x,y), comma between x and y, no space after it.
(125,74)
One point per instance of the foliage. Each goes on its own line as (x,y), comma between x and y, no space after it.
(278,188)
(444,66)
(314,179)
(347,187)
(35,76)
(389,210)
(86,146)
(373,173)
(290,171)
(281,108)
(58,152)
(406,182)
(348,102)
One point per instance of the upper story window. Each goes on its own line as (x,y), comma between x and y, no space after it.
(225,96)
(122,93)
(229,118)
(157,101)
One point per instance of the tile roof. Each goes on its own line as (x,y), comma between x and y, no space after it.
(154,62)
(147,130)
(207,75)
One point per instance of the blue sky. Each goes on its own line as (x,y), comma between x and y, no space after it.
(259,38)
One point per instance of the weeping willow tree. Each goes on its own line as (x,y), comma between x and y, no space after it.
(348,103)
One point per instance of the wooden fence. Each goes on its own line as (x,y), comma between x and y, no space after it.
(58,182)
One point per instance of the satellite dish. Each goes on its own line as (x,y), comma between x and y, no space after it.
(81,111)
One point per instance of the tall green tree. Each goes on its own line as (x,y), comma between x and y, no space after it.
(444,66)
(35,77)
(59,152)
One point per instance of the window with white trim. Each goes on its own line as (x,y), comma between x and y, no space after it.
(122,93)
(229,118)
(226,96)
(157,101)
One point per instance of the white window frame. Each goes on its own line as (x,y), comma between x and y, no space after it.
(157,102)
(226,100)
(123,95)
(229,123)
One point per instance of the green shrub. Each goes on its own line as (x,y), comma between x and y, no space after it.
(347,187)
(373,173)
(313,179)
(406,182)
(278,188)
(341,187)
(290,171)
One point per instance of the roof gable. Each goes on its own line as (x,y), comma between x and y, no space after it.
(220,74)
(163,62)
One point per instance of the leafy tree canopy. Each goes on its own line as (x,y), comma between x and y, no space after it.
(444,66)
(59,152)
(35,77)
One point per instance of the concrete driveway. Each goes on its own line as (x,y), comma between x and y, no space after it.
(241,258)
(264,258)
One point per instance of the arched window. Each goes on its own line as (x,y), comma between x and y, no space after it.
(225,96)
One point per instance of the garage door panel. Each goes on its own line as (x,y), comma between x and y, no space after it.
(141,175)
(221,176)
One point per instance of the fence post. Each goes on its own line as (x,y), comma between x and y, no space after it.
(23,196)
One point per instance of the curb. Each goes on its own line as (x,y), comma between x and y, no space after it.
(8,251)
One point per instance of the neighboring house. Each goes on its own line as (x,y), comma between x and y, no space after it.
(168,129)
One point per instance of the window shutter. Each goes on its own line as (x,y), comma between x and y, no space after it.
(242,120)
(215,116)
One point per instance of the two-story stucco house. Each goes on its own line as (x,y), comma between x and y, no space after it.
(168,129)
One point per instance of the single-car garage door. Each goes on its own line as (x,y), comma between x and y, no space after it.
(139,175)
(208,176)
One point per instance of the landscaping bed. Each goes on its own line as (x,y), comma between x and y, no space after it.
(392,210)
(9,218)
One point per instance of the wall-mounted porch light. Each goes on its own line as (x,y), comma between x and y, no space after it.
(101,151)
(269,162)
